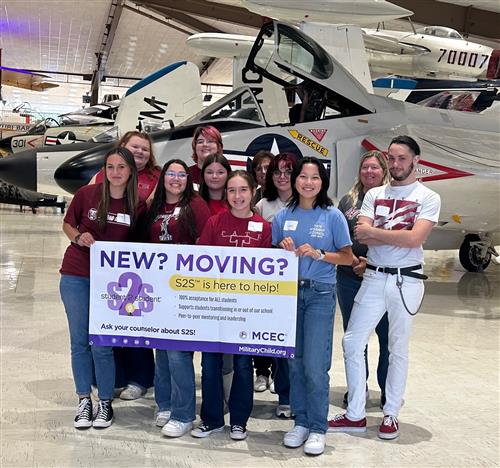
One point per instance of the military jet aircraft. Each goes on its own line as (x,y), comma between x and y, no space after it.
(337,121)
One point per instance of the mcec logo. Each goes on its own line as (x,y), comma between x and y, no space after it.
(268,336)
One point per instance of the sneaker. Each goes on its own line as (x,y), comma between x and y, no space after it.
(283,411)
(296,437)
(341,423)
(271,388)
(238,432)
(261,383)
(204,430)
(176,428)
(104,416)
(83,418)
(132,392)
(162,418)
(315,444)
(389,429)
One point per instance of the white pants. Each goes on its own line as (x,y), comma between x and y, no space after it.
(379,293)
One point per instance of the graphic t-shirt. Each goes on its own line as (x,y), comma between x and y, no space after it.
(398,208)
(82,214)
(322,228)
(165,227)
(146,181)
(225,229)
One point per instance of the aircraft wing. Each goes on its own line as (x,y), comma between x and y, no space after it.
(379,43)
(25,79)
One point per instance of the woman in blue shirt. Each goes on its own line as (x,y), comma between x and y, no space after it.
(318,233)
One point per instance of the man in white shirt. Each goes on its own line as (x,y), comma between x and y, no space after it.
(394,222)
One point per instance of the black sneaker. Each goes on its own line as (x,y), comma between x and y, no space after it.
(104,416)
(238,432)
(204,430)
(83,418)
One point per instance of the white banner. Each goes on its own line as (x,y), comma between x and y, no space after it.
(193,298)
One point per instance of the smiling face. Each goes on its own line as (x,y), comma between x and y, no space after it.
(401,163)
(117,171)
(141,150)
(371,173)
(204,146)
(175,182)
(215,176)
(239,196)
(308,182)
(261,171)
(281,177)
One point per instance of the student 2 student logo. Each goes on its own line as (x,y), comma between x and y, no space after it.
(129,295)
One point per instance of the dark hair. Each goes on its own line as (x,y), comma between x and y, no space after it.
(322,200)
(151,164)
(408,141)
(250,181)
(186,216)
(270,191)
(258,158)
(131,191)
(212,158)
(206,131)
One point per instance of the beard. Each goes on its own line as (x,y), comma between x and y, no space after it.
(403,175)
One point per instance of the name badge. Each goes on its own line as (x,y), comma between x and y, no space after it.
(177,211)
(382,210)
(255,226)
(123,218)
(290,225)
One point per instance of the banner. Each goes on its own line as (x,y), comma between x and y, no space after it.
(193,298)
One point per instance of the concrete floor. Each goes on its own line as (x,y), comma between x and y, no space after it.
(450,418)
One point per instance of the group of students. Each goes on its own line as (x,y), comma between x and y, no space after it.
(131,199)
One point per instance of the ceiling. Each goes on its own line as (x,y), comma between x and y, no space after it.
(79,43)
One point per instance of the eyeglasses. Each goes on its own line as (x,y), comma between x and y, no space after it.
(278,173)
(172,174)
(205,142)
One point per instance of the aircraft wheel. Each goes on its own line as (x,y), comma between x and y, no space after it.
(472,257)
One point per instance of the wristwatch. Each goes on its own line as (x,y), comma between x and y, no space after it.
(322,254)
(77,238)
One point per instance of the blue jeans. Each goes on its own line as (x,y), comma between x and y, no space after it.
(282,381)
(241,396)
(309,379)
(174,384)
(347,288)
(75,294)
(134,366)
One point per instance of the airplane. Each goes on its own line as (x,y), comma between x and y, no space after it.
(430,52)
(341,120)
(25,79)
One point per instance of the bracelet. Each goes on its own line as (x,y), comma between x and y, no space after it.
(322,255)
(77,238)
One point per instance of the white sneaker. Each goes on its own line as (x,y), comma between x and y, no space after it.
(176,428)
(283,411)
(296,437)
(315,444)
(162,418)
(261,383)
(132,392)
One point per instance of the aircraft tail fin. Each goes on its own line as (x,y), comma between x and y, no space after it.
(170,94)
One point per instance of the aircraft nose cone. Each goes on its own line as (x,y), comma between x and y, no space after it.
(77,171)
(20,169)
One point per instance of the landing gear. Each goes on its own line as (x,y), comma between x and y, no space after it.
(475,253)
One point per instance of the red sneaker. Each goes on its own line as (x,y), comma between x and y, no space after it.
(341,423)
(389,429)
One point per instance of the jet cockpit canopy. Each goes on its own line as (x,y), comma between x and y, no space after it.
(441,31)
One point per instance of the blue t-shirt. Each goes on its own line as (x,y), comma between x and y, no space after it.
(321,228)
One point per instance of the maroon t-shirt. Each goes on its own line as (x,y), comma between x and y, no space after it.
(216,206)
(165,227)
(146,181)
(225,229)
(195,172)
(82,214)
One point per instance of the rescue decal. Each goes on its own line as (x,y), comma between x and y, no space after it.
(318,133)
(308,142)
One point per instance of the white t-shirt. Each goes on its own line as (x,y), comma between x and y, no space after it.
(396,208)
(267,209)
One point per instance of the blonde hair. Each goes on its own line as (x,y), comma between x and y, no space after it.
(357,188)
